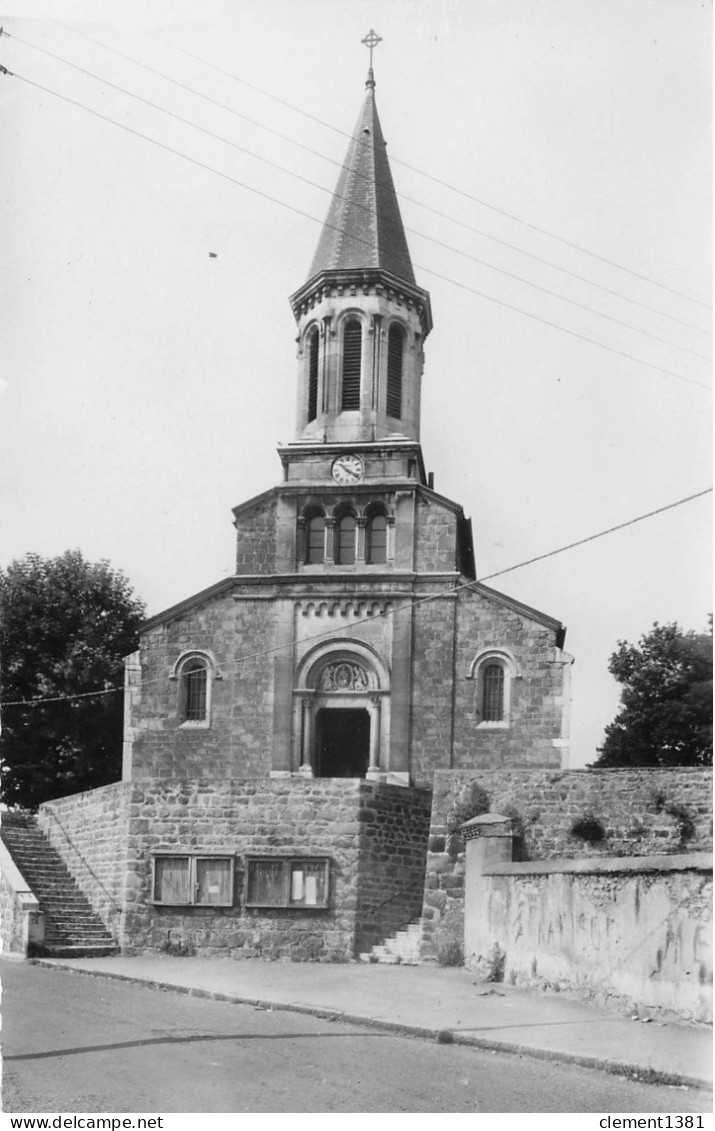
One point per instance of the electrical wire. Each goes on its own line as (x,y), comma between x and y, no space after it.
(300,212)
(436,180)
(370,211)
(403,196)
(332,632)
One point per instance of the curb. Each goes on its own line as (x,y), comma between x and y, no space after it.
(631,1071)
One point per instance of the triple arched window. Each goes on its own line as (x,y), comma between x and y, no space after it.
(352,364)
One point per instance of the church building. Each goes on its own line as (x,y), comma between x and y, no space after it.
(283,726)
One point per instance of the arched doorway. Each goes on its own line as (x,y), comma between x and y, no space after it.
(341,718)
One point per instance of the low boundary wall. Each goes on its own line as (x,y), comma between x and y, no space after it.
(633,932)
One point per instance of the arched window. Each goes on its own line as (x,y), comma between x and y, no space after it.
(395,350)
(493,672)
(493,693)
(315,540)
(195,674)
(345,540)
(352,354)
(376,547)
(313,354)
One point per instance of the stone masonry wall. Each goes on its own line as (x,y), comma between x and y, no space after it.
(538,698)
(260,817)
(238,742)
(394,823)
(432,666)
(642,812)
(91,833)
(256,539)
(435,538)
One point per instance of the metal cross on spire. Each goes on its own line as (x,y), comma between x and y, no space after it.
(371,40)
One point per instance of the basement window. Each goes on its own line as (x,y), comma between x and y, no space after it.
(193,881)
(282,881)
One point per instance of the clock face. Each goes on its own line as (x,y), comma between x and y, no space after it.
(347,470)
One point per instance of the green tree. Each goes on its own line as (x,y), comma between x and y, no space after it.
(65,625)
(666,702)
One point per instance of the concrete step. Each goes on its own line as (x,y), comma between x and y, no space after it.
(401,948)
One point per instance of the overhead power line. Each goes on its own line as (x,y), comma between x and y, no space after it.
(471,585)
(412,200)
(436,180)
(322,188)
(300,212)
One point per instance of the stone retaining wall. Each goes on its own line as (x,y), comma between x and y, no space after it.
(373,834)
(90,831)
(393,848)
(641,812)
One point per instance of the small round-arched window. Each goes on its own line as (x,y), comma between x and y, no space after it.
(315,539)
(345,540)
(376,540)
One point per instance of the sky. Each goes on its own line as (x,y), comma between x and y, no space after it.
(147,356)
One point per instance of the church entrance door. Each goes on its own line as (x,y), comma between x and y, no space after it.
(342,742)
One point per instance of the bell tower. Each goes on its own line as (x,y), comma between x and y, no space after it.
(362,320)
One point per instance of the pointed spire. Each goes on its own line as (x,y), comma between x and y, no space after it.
(363,227)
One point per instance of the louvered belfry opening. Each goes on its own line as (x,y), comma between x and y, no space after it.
(313,354)
(395,349)
(352,356)
(493,694)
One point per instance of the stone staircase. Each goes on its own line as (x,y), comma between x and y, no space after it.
(402,948)
(72,929)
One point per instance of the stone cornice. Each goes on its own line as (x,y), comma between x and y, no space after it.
(362,281)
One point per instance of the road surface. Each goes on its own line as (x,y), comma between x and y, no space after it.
(79,1044)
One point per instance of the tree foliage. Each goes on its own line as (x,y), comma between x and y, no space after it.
(65,625)
(666,702)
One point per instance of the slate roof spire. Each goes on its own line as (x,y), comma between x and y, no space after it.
(363,228)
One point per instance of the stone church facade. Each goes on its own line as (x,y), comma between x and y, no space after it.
(283,727)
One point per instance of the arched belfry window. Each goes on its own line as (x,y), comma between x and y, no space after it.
(313,355)
(352,357)
(395,351)
(376,538)
(345,540)
(315,539)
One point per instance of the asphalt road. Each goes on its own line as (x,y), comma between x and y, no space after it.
(78,1044)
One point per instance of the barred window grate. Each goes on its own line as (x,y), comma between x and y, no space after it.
(313,375)
(195,679)
(395,349)
(352,356)
(493,693)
